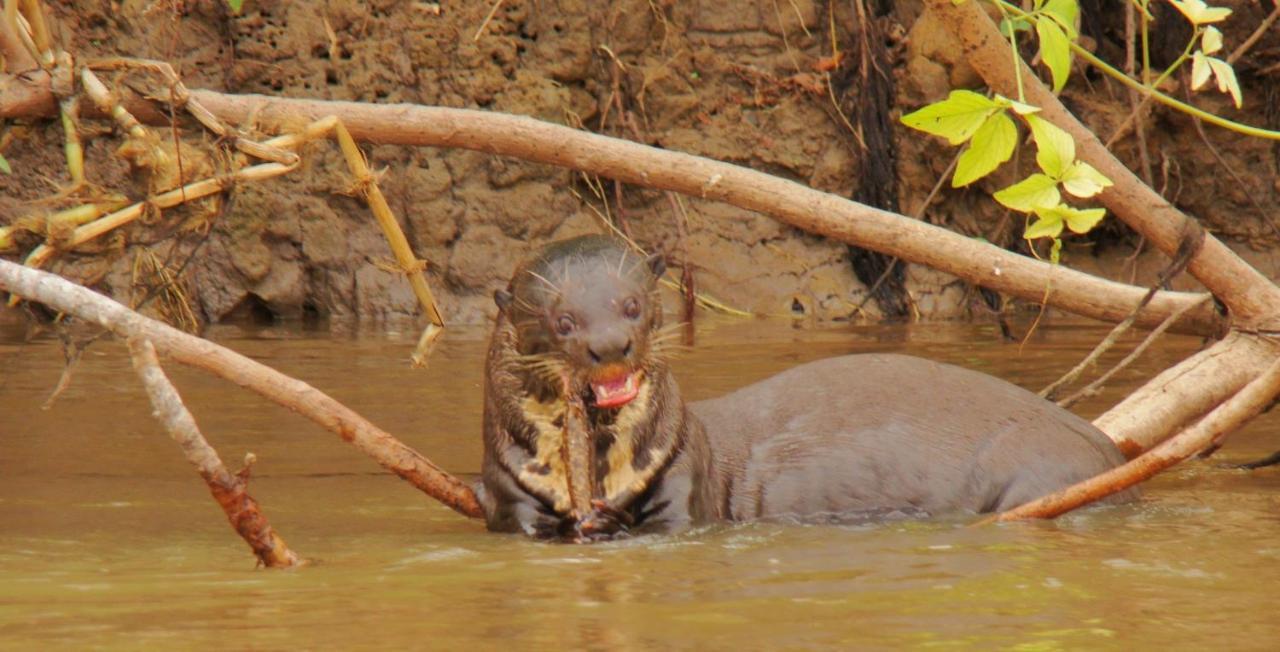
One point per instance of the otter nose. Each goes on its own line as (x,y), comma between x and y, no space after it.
(610,346)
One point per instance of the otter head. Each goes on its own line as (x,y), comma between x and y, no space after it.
(585,310)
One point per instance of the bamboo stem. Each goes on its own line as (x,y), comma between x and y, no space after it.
(412,268)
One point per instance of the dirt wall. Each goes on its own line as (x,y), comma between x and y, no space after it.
(736,81)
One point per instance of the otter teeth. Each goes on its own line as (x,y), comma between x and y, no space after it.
(616,392)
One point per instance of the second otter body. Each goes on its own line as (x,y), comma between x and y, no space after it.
(842,436)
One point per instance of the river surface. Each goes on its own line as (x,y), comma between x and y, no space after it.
(109,540)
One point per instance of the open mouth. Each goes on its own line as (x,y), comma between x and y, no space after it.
(617,390)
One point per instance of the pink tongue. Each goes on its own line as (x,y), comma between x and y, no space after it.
(615,392)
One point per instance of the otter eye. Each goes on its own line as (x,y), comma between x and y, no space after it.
(631,309)
(565,325)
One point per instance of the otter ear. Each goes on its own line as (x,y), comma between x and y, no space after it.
(657,264)
(503,299)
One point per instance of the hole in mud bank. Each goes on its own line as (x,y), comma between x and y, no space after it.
(797,307)
(251,310)
(331,77)
(311,313)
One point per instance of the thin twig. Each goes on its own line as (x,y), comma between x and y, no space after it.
(1255,36)
(1240,182)
(919,214)
(487,18)
(1193,240)
(1094,387)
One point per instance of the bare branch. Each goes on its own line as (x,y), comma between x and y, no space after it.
(790,202)
(1245,405)
(65,296)
(229,491)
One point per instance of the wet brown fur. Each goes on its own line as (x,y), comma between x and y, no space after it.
(526,485)
(838,437)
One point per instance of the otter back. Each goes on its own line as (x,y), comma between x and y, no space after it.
(865,433)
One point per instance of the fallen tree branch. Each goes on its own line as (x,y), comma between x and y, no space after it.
(1182,393)
(1188,390)
(793,203)
(1209,431)
(790,202)
(1253,300)
(231,492)
(65,296)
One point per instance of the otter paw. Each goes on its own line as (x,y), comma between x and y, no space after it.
(603,523)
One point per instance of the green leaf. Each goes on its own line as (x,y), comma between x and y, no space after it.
(1035,191)
(1018,107)
(235,5)
(1084,180)
(1226,76)
(1200,13)
(1200,70)
(955,118)
(1065,13)
(991,145)
(1055,50)
(1079,220)
(1083,220)
(1055,149)
(4,166)
(1044,227)
(1009,27)
(1211,41)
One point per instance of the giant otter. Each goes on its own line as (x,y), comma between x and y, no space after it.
(579,324)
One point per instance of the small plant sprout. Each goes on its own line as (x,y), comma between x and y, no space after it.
(1202,66)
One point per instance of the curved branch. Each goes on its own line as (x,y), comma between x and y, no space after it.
(1245,405)
(65,296)
(1254,301)
(790,202)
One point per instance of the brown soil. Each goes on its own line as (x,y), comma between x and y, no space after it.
(733,81)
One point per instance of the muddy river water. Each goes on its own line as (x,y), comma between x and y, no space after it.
(108,539)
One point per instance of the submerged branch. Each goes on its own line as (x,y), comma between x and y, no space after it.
(231,492)
(1179,395)
(1210,430)
(65,296)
